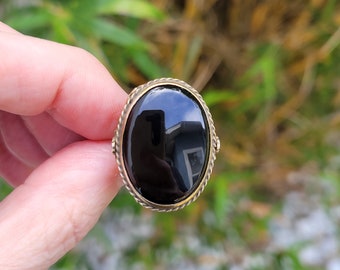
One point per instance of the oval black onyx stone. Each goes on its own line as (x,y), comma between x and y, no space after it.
(165,144)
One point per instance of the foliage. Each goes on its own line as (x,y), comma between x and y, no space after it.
(105,28)
(269,70)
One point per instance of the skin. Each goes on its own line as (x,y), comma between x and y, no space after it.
(59,108)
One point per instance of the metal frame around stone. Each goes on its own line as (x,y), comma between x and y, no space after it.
(117,141)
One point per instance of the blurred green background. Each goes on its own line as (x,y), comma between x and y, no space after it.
(269,71)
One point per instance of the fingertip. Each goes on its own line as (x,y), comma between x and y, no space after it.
(69,82)
(58,204)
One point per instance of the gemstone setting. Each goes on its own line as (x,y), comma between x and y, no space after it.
(165,144)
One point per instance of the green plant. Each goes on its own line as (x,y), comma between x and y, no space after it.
(269,70)
(106,28)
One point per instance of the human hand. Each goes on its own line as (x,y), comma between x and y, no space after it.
(58,110)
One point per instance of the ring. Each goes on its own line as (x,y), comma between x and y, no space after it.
(165,144)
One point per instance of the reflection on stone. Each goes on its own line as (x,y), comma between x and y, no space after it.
(186,148)
(165,144)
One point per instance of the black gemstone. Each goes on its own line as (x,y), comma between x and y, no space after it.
(165,144)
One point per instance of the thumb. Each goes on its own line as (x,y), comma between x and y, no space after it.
(57,205)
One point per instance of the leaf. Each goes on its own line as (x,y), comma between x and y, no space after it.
(213,97)
(133,8)
(193,55)
(5,189)
(114,33)
(27,20)
(265,68)
(62,32)
(92,45)
(221,198)
(148,67)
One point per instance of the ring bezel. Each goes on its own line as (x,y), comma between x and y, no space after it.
(117,142)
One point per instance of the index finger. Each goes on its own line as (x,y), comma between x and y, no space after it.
(69,83)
